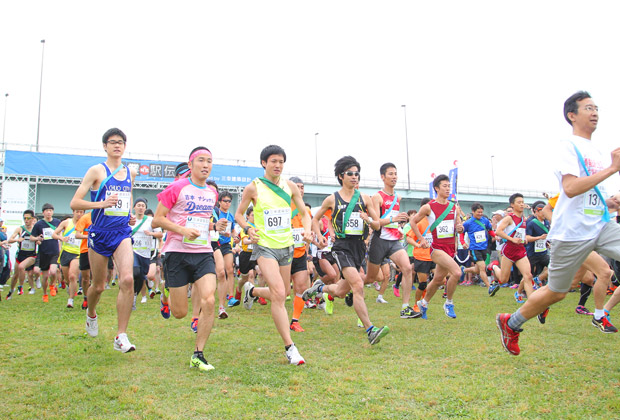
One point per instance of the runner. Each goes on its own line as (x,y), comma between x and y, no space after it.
(70,253)
(184,211)
(580,219)
(444,218)
(422,262)
(227,272)
(82,228)
(26,255)
(536,234)
(110,184)
(272,197)
(47,256)
(477,228)
(350,210)
(385,243)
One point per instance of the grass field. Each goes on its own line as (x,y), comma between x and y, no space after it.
(435,368)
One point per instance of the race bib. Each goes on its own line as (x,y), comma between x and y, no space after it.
(592,204)
(250,247)
(480,236)
(201,224)
(142,242)
(520,234)
(214,235)
(540,245)
(298,238)
(72,240)
(122,205)
(277,220)
(429,238)
(27,245)
(47,233)
(445,229)
(355,224)
(228,226)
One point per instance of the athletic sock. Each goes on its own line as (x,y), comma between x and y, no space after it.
(369,329)
(449,302)
(599,313)
(585,293)
(405,305)
(424,303)
(516,320)
(298,306)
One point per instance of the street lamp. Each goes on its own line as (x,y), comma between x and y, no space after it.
(40,90)
(407,148)
(492,174)
(316,157)
(6,99)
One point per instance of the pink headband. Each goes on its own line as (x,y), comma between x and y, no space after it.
(198,153)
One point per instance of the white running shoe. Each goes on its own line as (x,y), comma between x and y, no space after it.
(248,300)
(70,303)
(381,300)
(38,283)
(107,286)
(32,290)
(293,356)
(121,343)
(92,326)
(143,299)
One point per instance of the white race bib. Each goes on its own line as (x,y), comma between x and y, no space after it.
(298,238)
(72,240)
(540,245)
(122,205)
(592,204)
(47,233)
(480,236)
(214,235)
(445,229)
(201,224)
(142,242)
(355,224)
(429,238)
(27,245)
(520,234)
(277,220)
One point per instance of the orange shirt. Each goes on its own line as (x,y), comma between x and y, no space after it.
(421,254)
(296,222)
(82,225)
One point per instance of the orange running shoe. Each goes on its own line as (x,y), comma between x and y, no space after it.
(262,301)
(296,327)
(46,298)
(53,290)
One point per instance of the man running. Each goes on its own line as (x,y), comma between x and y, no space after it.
(26,255)
(580,219)
(272,197)
(476,228)
(110,184)
(47,256)
(70,252)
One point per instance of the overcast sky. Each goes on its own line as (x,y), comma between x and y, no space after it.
(478,78)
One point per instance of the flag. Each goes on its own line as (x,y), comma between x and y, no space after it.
(454,177)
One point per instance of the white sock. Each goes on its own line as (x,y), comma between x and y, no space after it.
(599,313)
(380,297)
(423,302)
(449,302)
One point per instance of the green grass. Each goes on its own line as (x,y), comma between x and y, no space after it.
(438,368)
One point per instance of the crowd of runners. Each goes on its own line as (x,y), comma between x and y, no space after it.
(275,248)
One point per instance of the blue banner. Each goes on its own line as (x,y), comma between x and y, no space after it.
(454,177)
(75,166)
(431,191)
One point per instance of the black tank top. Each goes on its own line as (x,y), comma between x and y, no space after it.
(340,208)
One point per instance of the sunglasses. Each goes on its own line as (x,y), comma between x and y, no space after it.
(27,218)
(351,173)
(226,201)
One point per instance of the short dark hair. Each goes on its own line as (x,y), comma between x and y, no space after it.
(571,105)
(249,210)
(47,206)
(270,150)
(424,201)
(296,180)
(213,184)
(113,132)
(181,169)
(30,212)
(198,148)
(476,206)
(513,197)
(223,195)
(412,211)
(439,179)
(383,169)
(149,212)
(343,164)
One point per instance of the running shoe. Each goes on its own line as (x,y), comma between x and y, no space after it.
(194,325)
(164,309)
(396,291)
(122,344)
(222,314)
(9,295)
(262,301)
(329,305)
(514,286)
(296,327)
(32,291)
(448,308)
(537,282)
(313,290)
(493,288)
(157,292)
(321,305)
(63,284)
(360,324)
(20,290)
(542,317)
(248,300)
(46,298)
(445,295)
(510,337)
(310,304)
(376,334)
(582,310)
(381,300)
(70,303)
(80,291)
(519,298)
(409,312)
(288,297)
(233,302)
(107,286)
(199,361)
(143,300)
(85,305)
(38,283)
(114,282)
(92,326)
(422,309)
(151,293)
(348,299)
(53,291)
(604,325)
(293,356)
(377,286)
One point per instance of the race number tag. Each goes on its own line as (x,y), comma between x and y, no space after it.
(298,238)
(228,226)
(520,234)
(122,205)
(47,233)
(27,245)
(592,204)
(201,224)
(540,245)
(355,224)
(480,236)
(429,238)
(72,240)
(445,229)
(214,235)
(142,242)
(277,220)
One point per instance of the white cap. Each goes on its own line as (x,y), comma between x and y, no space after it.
(500,212)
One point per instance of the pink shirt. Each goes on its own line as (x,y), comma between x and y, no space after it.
(188,205)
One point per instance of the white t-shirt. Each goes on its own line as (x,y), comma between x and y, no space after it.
(143,244)
(578,218)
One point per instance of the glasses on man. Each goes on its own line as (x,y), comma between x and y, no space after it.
(351,173)
(27,217)
(115,142)
(591,108)
(226,201)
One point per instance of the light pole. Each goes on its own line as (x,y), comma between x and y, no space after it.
(492,174)
(40,91)
(6,100)
(316,157)
(407,148)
